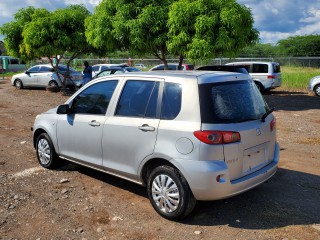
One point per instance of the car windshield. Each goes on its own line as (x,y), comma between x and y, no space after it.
(231,102)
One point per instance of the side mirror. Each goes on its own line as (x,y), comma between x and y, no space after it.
(63,109)
(26,72)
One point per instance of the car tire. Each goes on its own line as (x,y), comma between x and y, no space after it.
(316,90)
(46,153)
(18,84)
(53,83)
(259,86)
(169,193)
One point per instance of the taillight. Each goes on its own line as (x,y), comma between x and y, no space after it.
(271,76)
(273,124)
(217,137)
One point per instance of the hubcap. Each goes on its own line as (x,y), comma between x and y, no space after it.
(317,90)
(44,151)
(18,84)
(165,193)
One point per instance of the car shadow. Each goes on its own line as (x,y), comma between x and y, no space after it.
(289,198)
(292,101)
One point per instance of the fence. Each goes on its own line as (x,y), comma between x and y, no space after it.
(284,61)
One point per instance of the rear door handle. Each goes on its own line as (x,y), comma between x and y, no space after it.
(146,128)
(94,123)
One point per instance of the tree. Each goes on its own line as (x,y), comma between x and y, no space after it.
(203,29)
(13,31)
(54,35)
(308,45)
(259,50)
(138,26)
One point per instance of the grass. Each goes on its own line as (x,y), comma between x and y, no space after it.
(297,78)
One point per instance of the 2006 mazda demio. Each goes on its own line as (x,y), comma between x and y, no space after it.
(186,136)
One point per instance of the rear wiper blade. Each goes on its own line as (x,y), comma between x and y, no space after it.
(264,116)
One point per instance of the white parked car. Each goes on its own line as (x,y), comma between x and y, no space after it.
(44,76)
(105,66)
(266,75)
(314,85)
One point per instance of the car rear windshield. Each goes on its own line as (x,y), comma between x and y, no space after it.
(276,68)
(231,102)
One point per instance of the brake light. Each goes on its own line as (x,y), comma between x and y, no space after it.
(217,137)
(271,76)
(273,124)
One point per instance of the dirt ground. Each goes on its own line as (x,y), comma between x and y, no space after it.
(77,203)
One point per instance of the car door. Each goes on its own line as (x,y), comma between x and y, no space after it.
(79,132)
(44,76)
(129,135)
(30,77)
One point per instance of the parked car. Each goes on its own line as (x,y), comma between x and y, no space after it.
(116,70)
(140,66)
(104,66)
(314,85)
(266,75)
(172,66)
(227,68)
(44,76)
(144,127)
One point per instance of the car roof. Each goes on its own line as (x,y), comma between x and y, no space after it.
(250,62)
(201,76)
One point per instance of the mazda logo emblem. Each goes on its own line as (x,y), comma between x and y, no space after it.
(258,131)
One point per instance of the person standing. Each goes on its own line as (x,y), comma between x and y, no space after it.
(87,73)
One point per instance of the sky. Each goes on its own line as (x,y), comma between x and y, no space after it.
(275,20)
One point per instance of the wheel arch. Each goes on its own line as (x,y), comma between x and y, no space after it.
(153,163)
(314,89)
(36,135)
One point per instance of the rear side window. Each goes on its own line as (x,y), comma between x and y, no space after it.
(138,99)
(46,69)
(231,102)
(171,101)
(172,67)
(260,68)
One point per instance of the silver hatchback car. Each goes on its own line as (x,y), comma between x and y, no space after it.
(186,136)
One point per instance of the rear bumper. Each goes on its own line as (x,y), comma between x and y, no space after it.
(202,178)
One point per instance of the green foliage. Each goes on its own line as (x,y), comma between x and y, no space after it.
(259,50)
(138,27)
(13,30)
(202,29)
(308,45)
(59,31)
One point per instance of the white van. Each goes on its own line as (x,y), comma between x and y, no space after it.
(266,75)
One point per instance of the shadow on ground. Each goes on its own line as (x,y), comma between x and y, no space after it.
(291,101)
(289,198)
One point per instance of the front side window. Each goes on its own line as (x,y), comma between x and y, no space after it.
(138,99)
(94,99)
(231,102)
(171,101)
(34,69)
